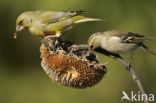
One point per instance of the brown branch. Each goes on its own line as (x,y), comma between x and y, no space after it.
(134,75)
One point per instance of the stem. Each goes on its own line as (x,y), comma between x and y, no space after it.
(134,75)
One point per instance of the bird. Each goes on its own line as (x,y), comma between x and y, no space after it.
(49,24)
(118,42)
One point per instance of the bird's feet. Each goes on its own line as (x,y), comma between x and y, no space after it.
(128,66)
(129,63)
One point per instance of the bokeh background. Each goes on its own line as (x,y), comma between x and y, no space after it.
(22,79)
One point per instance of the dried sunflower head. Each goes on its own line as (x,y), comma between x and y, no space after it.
(71,65)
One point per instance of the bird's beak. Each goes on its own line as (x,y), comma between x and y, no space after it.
(19,28)
(90,51)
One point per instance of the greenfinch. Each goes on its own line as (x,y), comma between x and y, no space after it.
(117,42)
(49,23)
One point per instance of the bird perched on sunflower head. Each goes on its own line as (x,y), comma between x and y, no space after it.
(50,23)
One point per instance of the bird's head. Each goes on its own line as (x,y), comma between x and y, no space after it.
(23,21)
(93,42)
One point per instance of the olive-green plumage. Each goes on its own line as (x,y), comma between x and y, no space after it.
(117,42)
(50,23)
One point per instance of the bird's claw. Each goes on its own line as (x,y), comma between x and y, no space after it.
(129,63)
(128,66)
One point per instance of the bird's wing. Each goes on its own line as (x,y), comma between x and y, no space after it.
(133,38)
(53,17)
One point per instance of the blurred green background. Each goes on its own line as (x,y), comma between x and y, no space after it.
(22,79)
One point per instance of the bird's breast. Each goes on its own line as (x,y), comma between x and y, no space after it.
(37,29)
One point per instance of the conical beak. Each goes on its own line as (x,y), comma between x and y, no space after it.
(19,28)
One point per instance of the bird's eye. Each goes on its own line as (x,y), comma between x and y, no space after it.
(91,46)
(21,22)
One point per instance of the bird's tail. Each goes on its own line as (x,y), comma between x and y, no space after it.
(80,19)
(144,47)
